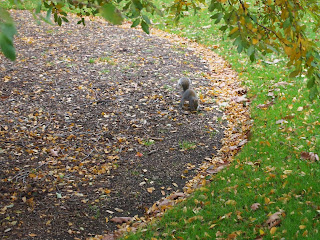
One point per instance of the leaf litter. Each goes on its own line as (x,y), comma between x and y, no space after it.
(76,108)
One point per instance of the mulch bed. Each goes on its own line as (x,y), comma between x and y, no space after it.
(90,127)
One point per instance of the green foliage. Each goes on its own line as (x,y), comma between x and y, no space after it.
(148,142)
(7,31)
(185,145)
(263,27)
(111,14)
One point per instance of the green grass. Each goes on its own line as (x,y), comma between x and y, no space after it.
(269,170)
(185,145)
(148,142)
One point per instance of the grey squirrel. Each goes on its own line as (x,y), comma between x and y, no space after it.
(188,94)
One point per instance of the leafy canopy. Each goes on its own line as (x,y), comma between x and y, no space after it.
(257,27)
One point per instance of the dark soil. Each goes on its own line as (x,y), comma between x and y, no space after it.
(90,127)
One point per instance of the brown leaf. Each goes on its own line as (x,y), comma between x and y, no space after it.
(309,156)
(289,117)
(255,206)
(177,195)
(121,219)
(243,142)
(54,152)
(266,105)
(108,237)
(165,202)
(300,109)
(241,91)
(280,84)
(281,121)
(270,94)
(150,189)
(240,99)
(216,170)
(274,220)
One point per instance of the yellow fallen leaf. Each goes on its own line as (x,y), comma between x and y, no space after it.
(107,191)
(32,175)
(273,230)
(266,200)
(212,226)
(305,233)
(231,202)
(150,189)
(302,226)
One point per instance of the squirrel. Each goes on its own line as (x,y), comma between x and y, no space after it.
(188,94)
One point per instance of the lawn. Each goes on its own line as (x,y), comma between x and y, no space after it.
(271,189)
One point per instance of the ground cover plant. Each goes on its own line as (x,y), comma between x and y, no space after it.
(271,190)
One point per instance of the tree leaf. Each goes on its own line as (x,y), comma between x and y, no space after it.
(145,27)
(250,50)
(138,4)
(311,82)
(135,23)
(146,19)
(111,14)
(294,73)
(7,47)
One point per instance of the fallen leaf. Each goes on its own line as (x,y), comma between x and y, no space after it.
(281,121)
(109,237)
(302,226)
(265,106)
(270,94)
(241,91)
(212,226)
(232,236)
(261,232)
(121,219)
(231,202)
(300,109)
(54,152)
(243,142)
(174,184)
(165,202)
(150,189)
(309,156)
(273,230)
(280,84)
(177,195)
(118,209)
(274,220)
(240,99)
(255,207)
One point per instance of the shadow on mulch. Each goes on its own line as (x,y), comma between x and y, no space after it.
(90,128)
